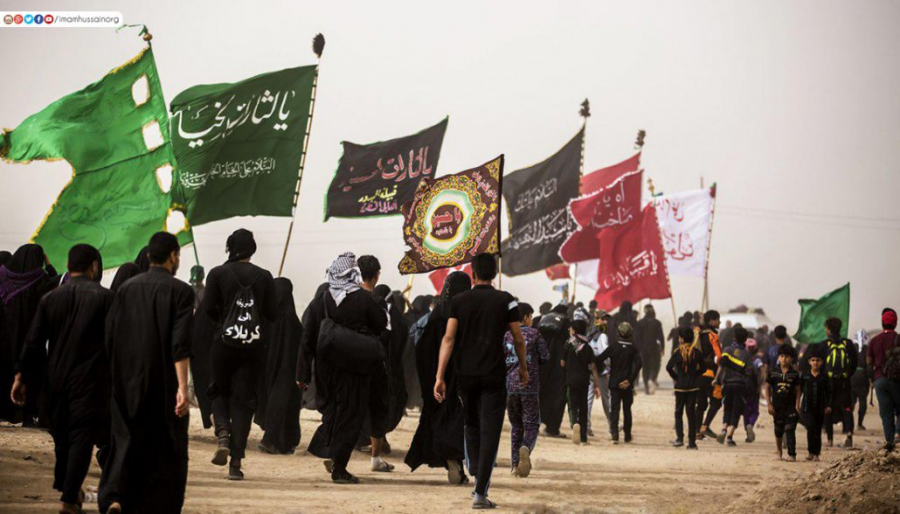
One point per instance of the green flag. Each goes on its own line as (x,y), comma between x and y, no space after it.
(115,135)
(813,314)
(239,145)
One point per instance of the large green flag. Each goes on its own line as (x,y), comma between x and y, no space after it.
(813,314)
(239,145)
(115,135)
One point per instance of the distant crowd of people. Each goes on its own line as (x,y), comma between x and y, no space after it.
(117,370)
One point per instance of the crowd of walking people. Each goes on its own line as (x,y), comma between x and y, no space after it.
(118,369)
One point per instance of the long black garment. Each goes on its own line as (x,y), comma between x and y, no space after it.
(650,342)
(281,413)
(15,321)
(67,337)
(553,376)
(235,386)
(341,396)
(148,331)
(439,436)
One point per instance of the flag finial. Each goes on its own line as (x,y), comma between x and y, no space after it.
(639,142)
(318,45)
(585,111)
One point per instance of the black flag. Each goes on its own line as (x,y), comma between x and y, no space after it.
(537,199)
(376,179)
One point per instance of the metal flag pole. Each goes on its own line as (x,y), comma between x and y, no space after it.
(584,112)
(668,280)
(712,218)
(318,47)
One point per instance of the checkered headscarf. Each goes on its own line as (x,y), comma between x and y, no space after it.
(343,277)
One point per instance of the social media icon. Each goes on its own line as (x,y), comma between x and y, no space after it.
(38,19)
(18,19)
(8,19)
(48,19)
(29,19)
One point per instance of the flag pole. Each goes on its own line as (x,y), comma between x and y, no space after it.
(639,146)
(318,47)
(584,112)
(712,217)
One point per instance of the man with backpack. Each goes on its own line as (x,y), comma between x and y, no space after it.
(238,295)
(840,363)
(554,328)
(884,356)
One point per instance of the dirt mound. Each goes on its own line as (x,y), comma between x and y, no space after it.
(864,482)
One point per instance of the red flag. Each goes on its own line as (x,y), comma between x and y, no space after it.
(558,272)
(438,277)
(632,263)
(597,180)
(616,204)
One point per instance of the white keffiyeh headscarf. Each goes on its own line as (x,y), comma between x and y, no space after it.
(343,277)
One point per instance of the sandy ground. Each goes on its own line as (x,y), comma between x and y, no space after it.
(646,476)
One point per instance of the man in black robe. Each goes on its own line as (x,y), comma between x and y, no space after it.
(23,281)
(149,349)
(281,416)
(235,364)
(651,345)
(340,395)
(72,319)
(554,327)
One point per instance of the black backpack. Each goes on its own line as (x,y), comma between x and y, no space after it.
(552,324)
(241,326)
(838,360)
(892,361)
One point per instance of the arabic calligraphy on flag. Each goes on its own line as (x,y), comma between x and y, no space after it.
(452,219)
(616,204)
(538,198)
(684,224)
(632,262)
(239,145)
(376,179)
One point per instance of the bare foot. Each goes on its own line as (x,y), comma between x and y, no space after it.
(792,458)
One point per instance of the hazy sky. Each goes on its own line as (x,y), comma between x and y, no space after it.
(791,107)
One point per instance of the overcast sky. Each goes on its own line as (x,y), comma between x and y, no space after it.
(791,107)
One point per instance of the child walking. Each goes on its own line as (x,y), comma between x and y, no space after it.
(816,403)
(686,367)
(782,392)
(578,361)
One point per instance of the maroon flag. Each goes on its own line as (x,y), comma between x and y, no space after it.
(616,204)
(438,277)
(558,272)
(632,263)
(597,180)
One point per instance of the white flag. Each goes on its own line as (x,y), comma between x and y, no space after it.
(684,226)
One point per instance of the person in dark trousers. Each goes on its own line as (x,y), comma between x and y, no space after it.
(439,441)
(710,395)
(236,362)
(395,340)
(652,348)
(554,328)
(840,363)
(686,367)
(578,362)
(478,322)
(280,417)
(881,351)
(378,388)
(67,339)
(861,380)
(341,395)
(24,279)
(782,393)
(815,406)
(523,406)
(735,372)
(149,349)
(625,367)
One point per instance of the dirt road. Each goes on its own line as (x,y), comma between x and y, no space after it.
(646,476)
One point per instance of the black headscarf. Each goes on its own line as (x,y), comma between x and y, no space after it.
(125,272)
(456,283)
(4,257)
(383,291)
(24,270)
(27,258)
(240,245)
(284,295)
(143,260)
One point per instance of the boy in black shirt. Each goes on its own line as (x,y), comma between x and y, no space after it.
(578,361)
(782,392)
(816,403)
(625,365)
(477,325)
(686,367)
